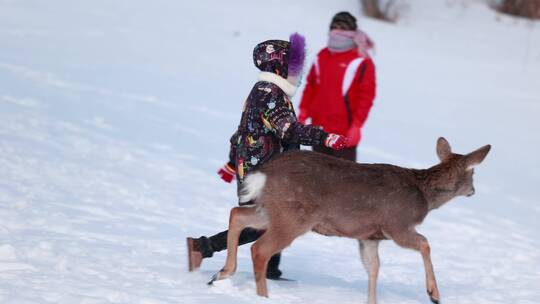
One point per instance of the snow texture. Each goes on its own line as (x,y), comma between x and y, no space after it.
(115,115)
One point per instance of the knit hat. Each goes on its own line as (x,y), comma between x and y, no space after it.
(344,21)
(272,56)
(280,57)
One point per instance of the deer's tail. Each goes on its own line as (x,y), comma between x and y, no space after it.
(252,187)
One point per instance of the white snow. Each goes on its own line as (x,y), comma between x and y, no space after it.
(115,115)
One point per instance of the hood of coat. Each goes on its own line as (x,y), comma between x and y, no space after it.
(280,57)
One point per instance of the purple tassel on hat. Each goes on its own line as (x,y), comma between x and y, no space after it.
(297,54)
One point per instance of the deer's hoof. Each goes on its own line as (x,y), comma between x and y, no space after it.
(220,275)
(432,297)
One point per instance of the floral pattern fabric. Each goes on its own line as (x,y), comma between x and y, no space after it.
(268,127)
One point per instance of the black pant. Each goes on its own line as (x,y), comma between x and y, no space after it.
(218,242)
(347,153)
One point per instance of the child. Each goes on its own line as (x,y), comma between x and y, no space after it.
(268,127)
(341,85)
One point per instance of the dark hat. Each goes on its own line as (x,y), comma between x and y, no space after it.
(344,20)
(272,56)
(284,58)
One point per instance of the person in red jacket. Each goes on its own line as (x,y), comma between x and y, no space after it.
(341,85)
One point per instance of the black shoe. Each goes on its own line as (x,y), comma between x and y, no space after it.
(273,274)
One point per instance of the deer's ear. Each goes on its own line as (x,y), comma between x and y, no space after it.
(443,148)
(476,157)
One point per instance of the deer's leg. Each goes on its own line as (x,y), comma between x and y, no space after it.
(240,218)
(270,243)
(416,241)
(369,250)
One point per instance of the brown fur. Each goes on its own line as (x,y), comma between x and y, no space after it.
(307,191)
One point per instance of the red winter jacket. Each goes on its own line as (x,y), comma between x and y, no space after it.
(339,91)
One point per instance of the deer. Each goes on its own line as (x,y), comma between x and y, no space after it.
(302,191)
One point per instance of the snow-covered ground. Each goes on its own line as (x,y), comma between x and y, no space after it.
(115,115)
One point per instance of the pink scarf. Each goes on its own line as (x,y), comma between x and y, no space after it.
(341,41)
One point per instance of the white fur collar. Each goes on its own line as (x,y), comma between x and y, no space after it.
(281,82)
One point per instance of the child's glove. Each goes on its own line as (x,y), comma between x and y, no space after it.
(335,141)
(353,136)
(227,173)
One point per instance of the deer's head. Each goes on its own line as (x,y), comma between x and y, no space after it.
(460,178)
